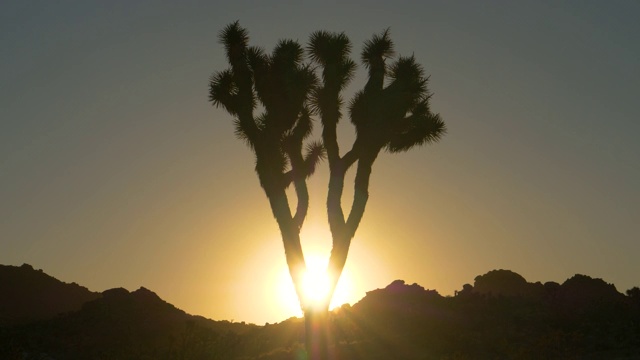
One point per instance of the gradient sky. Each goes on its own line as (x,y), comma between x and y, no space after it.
(116,171)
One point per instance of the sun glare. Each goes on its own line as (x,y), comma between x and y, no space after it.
(315,282)
(315,286)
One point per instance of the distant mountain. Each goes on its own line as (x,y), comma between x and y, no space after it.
(123,324)
(501,316)
(46,318)
(28,295)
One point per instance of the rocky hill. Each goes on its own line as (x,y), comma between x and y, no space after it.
(28,295)
(500,316)
(66,321)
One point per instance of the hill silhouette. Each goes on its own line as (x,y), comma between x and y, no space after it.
(113,324)
(500,316)
(27,295)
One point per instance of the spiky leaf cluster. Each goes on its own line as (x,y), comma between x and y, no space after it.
(331,51)
(282,84)
(395,117)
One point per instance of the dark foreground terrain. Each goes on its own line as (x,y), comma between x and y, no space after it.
(500,316)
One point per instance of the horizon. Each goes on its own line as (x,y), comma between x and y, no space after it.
(115,171)
(298,316)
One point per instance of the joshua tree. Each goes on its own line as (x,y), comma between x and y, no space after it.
(395,118)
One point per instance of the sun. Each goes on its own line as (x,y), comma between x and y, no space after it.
(315,285)
(315,281)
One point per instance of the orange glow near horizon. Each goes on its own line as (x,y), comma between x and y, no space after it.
(315,286)
(264,274)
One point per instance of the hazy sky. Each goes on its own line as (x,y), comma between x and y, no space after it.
(116,171)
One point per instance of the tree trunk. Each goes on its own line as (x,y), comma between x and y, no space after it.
(316,326)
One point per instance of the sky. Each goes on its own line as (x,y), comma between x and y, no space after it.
(116,171)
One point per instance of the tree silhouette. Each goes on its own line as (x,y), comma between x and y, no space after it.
(282,84)
(391,113)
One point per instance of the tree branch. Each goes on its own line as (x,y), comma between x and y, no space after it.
(300,185)
(350,157)
(360,196)
(290,238)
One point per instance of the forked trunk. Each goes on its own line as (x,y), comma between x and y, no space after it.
(315,316)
